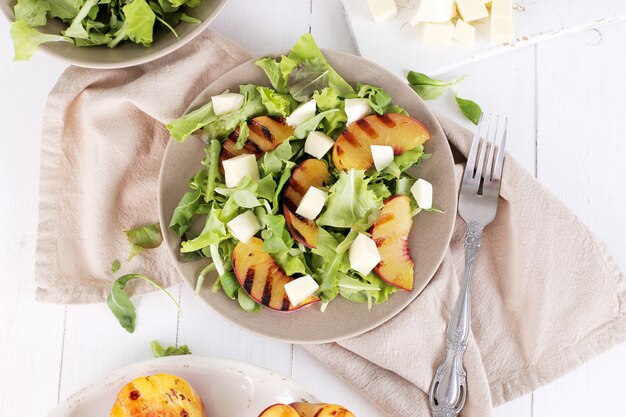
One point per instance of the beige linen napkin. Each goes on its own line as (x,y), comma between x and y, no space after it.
(546,295)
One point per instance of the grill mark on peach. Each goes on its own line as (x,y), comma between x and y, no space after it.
(285,305)
(267,291)
(299,236)
(367,128)
(379,242)
(134,395)
(349,137)
(252,147)
(291,206)
(247,284)
(260,130)
(385,218)
(299,188)
(226,154)
(339,150)
(386,120)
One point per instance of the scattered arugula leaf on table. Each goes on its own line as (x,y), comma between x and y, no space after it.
(160,352)
(115,265)
(143,238)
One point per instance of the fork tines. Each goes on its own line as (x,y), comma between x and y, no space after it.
(491,146)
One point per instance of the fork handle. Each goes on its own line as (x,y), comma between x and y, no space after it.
(449,388)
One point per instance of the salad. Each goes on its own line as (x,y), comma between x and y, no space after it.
(95,22)
(305,194)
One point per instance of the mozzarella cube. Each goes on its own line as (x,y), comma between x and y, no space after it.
(312,203)
(317,144)
(382,9)
(302,113)
(227,103)
(382,156)
(501,30)
(434,11)
(437,34)
(238,167)
(356,108)
(244,226)
(422,192)
(471,10)
(363,254)
(300,289)
(502,8)
(464,32)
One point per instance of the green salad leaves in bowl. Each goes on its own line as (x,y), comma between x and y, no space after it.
(106,33)
(313,189)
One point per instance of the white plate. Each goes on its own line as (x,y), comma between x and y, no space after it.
(397,46)
(228,388)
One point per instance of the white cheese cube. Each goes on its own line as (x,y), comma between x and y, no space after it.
(501,30)
(434,11)
(317,144)
(302,113)
(502,8)
(244,226)
(227,103)
(471,10)
(312,203)
(300,289)
(382,156)
(363,254)
(437,34)
(238,167)
(382,10)
(464,32)
(356,108)
(422,192)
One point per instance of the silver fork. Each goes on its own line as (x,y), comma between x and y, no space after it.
(478,201)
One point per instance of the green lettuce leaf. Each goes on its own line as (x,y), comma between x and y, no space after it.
(26,40)
(405,161)
(184,212)
(185,126)
(303,130)
(64,9)
(139,22)
(378,98)
(224,125)
(76,29)
(276,238)
(327,99)
(214,232)
(307,50)
(246,302)
(212,163)
(33,12)
(306,78)
(273,72)
(349,200)
(277,104)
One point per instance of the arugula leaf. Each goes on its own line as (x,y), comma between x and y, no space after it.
(276,238)
(242,136)
(119,302)
(189,19)
(429,88)
(305,128)
(378,98)
(266,187)
(26,40)
(291,264)
(202,275)
(272,162)
(277,104)
(214,232)
(246,302)
(115,265)
(185,126)
(273,72)
(33,12)
(306,78)
(470,109)
(160,352)
(307,50)
(327,99)
(186,209)
(212,163)
(228,282)
(143,238)
(349,200)
(405,161)
(225,124)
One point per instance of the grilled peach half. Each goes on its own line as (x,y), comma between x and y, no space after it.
(265,134)
(310,173)
(391,232)
(321,410)
(279,410)
(262,278)
(352,147)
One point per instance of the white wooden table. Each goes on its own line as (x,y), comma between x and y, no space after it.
(566,99)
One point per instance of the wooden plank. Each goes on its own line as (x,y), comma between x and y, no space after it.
(580,147)
(208,334)
(264,26)
(329,27)
(32,333)
(96,344)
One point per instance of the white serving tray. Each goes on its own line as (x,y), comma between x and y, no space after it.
(397,46)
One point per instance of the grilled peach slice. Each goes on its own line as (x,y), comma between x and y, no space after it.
(279,410)
(390,232)
(265,134)
(310,173)
(352,147)
(321,410)
(262,278)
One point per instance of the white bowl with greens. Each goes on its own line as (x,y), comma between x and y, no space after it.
(106,33)
(236,177)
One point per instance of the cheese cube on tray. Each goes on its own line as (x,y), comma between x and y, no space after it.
(437,34)
(382,10)
(433,11)
(471,10)
(501,30)
(464,32)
